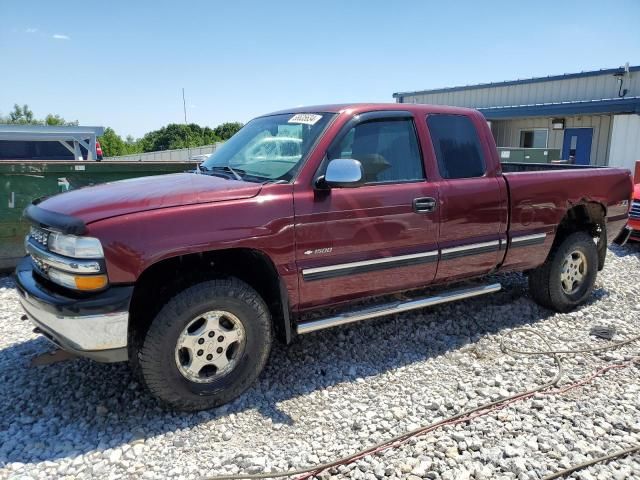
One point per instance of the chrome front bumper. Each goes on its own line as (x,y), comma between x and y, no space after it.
(89,333)
(94,326)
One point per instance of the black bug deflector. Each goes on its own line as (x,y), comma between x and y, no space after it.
(54,221)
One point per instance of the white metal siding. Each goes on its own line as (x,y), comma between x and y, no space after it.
(595,87)
(625,141)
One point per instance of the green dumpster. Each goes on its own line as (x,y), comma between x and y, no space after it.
(528,155)
(24,181)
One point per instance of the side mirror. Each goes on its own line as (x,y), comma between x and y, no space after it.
(343,173)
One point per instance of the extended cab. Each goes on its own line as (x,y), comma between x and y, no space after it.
(190,276)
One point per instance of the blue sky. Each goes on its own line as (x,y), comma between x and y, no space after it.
(123,64)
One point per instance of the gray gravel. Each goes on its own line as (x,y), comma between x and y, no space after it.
(337,391)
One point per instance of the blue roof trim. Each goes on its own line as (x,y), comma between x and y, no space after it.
(566,76)
(589,107)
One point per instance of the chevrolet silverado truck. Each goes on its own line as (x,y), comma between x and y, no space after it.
(191,276)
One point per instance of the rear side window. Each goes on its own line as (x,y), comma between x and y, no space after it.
(387,148)
(457,146)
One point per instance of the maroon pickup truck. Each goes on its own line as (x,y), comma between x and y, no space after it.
(191,276)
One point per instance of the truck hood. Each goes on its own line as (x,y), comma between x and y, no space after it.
(147,193)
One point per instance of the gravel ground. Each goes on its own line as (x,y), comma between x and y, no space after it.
(337,391)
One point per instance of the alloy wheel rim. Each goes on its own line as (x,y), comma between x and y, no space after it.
(210,346)
(574,272)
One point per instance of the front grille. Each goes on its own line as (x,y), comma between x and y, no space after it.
(39,235)
(635,210)
(40,265)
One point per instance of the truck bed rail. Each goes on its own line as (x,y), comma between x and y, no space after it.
(510,167)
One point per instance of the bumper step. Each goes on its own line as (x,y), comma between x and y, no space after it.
(396,307)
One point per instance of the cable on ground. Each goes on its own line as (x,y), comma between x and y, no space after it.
(604,458)
(484,409)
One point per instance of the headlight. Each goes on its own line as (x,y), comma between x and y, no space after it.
(68,260)
(75,247)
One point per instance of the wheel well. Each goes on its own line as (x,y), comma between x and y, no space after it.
(164,279)
(586,217)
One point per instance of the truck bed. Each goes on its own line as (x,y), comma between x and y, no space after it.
(513,167)
(539,198)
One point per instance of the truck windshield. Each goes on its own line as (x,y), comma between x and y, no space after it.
(269,148)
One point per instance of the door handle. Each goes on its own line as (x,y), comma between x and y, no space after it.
(424,204)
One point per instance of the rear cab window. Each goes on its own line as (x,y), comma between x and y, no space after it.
(457,146)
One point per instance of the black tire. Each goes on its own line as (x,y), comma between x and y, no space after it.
(545,282)
(157,354)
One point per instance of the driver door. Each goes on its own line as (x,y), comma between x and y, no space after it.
(375,238)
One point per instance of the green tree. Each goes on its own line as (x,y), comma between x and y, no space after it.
(177,135)
(22,115)
(51,119)
(112,144)
(132,145)
(227,130)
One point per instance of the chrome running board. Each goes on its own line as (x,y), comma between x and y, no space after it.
(396,307)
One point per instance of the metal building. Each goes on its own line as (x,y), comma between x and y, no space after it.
(583,118)
(47,142)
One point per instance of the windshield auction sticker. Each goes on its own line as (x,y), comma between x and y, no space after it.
(306,118)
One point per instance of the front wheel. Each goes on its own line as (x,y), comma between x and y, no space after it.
(567,277)
(207,345)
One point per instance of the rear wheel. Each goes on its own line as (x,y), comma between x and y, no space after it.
(207,345)
(567,277)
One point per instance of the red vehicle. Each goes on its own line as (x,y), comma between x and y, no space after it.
(633,226)
(190,276)
(98,152)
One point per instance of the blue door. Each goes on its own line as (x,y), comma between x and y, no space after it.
(577,145)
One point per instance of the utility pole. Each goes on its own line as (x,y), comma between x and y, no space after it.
(184,106)
(186,132)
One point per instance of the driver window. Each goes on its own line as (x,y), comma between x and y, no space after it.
(388,150)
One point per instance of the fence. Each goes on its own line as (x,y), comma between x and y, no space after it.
(178,155)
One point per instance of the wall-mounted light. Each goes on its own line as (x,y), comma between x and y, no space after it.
(619,76)
(557,124)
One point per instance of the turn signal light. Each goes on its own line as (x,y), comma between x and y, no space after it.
(86,283)
(93,282)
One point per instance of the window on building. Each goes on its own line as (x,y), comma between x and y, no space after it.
(457,146)
(388,150)
(536,138)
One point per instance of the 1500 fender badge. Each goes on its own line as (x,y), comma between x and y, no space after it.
(318,251)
